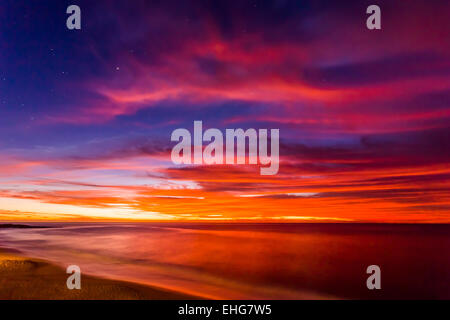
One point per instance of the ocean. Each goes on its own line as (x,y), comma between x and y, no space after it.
(252,260)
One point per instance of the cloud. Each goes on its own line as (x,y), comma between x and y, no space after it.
(363,116)
(292,195)
(384,70)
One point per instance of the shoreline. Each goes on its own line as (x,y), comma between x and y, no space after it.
(25,278)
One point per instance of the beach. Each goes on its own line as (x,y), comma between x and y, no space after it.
(24,278)
(224,261)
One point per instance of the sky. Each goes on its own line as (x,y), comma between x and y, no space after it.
(86,115)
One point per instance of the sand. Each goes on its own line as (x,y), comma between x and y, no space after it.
(26,278)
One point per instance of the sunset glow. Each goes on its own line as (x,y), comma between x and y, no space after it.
(86,118)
